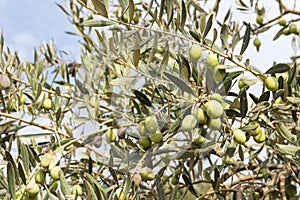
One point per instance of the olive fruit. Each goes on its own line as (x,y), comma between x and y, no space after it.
(227,160)
(97,142)
(214,124)
(189,122)
(32,189)
(239,136)
(213,109)
(54,172)
(47,104)
(111,135)
(137,179)
(286,31)
(260,137)
(241,83)
(145,142)
(199,140)
(11,105)
(147,174)
(120,194)
(282,21)
(4,81)
(271,83)
(217,97)
(93,101)
(22,99)
(256,129)
(257,43)
(195,52)
(151,124)
(46,160)
(77,190)
(200,115)
(293,28)
(156,137)
(174,180)
(211,60)
(142,128)
(259,19)
(40,176)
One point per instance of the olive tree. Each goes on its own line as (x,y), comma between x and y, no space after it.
(162,104)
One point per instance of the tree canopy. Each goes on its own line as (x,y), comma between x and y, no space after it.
(162,104)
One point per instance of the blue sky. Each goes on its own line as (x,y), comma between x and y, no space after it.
(28,23)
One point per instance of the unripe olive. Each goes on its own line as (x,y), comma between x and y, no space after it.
(40,176)
(97,142)
(4,81)
(145,142)
(32,189)
(214,124)
(293,28)
(271,83)
(211,60)
(156,137)
(111,135)
(137,179)
(195,52)
(261,137)
(120,195)
(142,128)
(151,124)
(286,31)
(255,131)
(199,140)
(12,105)
(259,19)
(77,189)
(282,21)
(189,122)
(47,104)
(46,160)
(174,180)
(213,109)
(93,101)
(54,172)
(200,115)
(217,97)
(227,160)
(147,174)
(22,99)
(257,43)
(239,136)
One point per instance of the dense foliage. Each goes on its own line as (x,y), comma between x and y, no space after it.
(162,104)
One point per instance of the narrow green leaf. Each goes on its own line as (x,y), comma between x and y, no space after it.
(224,36)
(11,180)
(65,188)
(142,98)
(179,83)
(246,39)
(243,103)
(161,10)
(278,34)
(183,14)
(278,68)
(202,22)
(170,12)
(96,23)
(131,10)
(100,8)
(294,100)
(189,185)
(21,173)
(208,25)
(289,149)
(284,132)
(175,125)
(292,73)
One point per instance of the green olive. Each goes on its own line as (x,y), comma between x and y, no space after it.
(211,60)
(195,52)
(151,124)
(271,83)
(32,189)
(200,115)
(261,137)
(214,124)
(259,19)
(111,135)
(147,174)
(189,122)
(282,21)
(213,109)
(47,104)
(40,176)
(77,189)
(239,136)
(54,172)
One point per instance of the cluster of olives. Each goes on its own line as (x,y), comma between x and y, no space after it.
(253,129)
(32,189)
(260,15)
(290,28)
(195,53)
(149,132)
(209,114)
